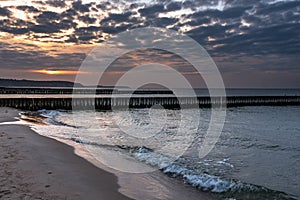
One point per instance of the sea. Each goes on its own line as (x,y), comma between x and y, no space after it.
(256,156)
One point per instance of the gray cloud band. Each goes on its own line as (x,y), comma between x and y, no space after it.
(101,58)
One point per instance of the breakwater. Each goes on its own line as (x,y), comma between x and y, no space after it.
(59,91)
(142,101)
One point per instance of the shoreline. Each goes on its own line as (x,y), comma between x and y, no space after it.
(33,166)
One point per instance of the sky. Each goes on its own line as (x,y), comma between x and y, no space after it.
(255,44)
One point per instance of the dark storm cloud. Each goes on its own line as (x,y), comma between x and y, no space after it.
(278,7)
(103,5)
(235,12)
(46,28)
(17,31)
(80,7)
(152,11)
(56,3)
(69,13)
(47,16)
(5,12)
(173,6)
(189,4)
(115,30)
(87,19)
(29,9)
(72,39)
(133,6)
(237,3)
(218,31)
(14,27)
(123,17)
(119,22)
(86,33)
(280,39)
(270,32)
(161,21)
(67,24)
(199,21)
(46,22)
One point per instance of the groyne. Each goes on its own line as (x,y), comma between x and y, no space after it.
(143,101)
(83,90)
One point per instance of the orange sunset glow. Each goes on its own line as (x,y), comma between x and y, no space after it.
(58,72)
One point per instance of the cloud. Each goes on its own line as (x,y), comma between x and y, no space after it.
(174,6)
(80,7)
(29,59)
(47,16)
(29,9)
(15,27)
(114,30)
(255,29)
(46,28)
(278,39)
(163,21)
(234,12)
(104,5)
(5,12)
(234,27)
(152,11)
(123,17)
(56,3)
(277,7)
(69,14)
(87,19)
(227,29)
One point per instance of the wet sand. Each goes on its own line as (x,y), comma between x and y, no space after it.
(36,167)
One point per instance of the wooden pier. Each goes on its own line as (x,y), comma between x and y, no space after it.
(142,101)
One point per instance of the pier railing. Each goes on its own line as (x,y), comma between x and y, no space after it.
(171,102)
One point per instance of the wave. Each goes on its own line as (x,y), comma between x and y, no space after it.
(50,118)
(226,187)
(206,182)
(203,181)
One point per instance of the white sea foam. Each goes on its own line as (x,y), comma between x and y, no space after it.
(272,133)
(203,181)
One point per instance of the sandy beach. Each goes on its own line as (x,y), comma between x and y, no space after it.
(36,167)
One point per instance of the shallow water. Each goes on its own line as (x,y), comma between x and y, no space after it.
(256,157)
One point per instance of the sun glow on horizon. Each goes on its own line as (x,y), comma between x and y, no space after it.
(58,72)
